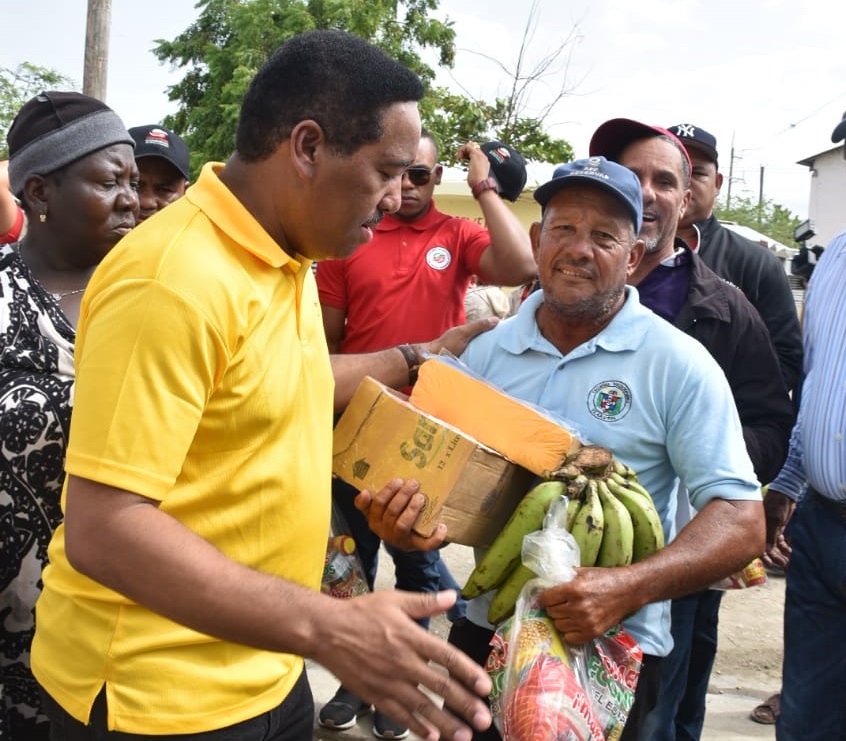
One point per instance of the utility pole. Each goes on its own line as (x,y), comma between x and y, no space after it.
(731,171)
(97,48)
(761,198)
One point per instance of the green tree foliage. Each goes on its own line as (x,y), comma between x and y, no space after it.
(231,39)
(518,117)
(455,119)
(767,217)
(17,86)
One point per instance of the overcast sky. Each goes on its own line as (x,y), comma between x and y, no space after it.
(768,76)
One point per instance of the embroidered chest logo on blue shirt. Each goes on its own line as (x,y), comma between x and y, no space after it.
(609,400)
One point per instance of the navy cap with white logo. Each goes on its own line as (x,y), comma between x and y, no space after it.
(602,173)
(696,139)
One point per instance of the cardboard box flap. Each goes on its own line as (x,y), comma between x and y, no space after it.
(449,390)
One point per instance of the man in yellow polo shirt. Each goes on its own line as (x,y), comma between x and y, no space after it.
(183,587)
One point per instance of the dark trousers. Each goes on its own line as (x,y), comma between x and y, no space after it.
(293,720)
(680,711)
(814,670)
(474,640)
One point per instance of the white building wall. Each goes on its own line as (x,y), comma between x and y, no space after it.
(827,201)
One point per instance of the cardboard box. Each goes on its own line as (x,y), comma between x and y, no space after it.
(469,487)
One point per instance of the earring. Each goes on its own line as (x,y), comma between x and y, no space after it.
(42,218)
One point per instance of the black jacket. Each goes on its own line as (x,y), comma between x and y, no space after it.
(761,277)
(725,322)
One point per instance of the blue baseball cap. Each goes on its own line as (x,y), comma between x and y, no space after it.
(617,180)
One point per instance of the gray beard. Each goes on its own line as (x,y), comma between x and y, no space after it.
(651,245)
(594,310)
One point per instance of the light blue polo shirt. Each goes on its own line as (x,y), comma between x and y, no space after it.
(642,388)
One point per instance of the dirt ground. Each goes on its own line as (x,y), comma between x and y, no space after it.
(750,636)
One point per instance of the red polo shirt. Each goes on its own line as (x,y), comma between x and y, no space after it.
(407,284)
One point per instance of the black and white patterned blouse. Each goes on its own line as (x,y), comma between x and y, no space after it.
(36,392)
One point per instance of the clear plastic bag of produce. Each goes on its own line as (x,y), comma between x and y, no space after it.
(543,688)
(343,574)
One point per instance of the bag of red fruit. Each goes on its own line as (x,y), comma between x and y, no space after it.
(543,688)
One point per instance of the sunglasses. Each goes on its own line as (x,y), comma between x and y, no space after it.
(419,175)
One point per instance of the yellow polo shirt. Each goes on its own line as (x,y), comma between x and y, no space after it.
(203,381)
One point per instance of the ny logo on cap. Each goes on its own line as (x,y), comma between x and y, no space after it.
(686,131)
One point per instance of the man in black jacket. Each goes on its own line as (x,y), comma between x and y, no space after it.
(751,267)
(676,284)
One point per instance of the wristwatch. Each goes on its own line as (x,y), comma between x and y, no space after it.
(487,184)
(413,361)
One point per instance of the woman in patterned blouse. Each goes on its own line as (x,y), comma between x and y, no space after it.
(72,168)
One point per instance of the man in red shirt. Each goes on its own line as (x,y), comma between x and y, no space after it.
(407,285)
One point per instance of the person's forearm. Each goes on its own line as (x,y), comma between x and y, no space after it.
(391,367)
(508,261)
(386,366)
(131,546)
(11,219)
(8,204)
(721,539)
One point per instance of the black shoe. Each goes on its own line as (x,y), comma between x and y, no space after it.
(384,727)
(343,711)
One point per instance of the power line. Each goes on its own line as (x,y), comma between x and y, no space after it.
(810,115)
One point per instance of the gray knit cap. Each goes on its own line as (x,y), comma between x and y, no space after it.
(54,129)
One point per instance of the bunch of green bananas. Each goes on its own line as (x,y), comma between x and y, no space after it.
(609,514)
(615,522)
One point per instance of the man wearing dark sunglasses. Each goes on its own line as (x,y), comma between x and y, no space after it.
(407,285)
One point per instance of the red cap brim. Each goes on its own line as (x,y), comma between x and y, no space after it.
(612,137)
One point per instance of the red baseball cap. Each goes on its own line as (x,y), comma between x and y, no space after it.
(612,137)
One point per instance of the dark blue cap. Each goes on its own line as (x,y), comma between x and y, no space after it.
(602,173)
(696,138)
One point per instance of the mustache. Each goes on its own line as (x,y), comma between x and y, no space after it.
(375,219)
(583,265)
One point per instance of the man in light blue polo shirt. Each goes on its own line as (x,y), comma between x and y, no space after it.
(587,350)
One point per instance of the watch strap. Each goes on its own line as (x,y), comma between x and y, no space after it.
(412,360)
(487,184)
